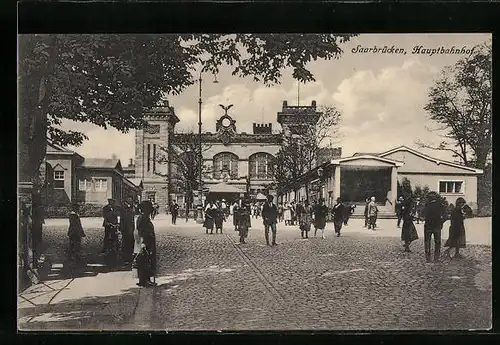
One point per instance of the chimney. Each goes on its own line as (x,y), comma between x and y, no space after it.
(131,164)
(285,104)
(313,104)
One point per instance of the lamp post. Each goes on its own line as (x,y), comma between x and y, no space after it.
(199,217)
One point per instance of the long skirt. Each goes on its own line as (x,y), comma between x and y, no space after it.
(218,222)
(320,223)
(409,232)
(287,215)
(209,223)
(456,237)
(337,224)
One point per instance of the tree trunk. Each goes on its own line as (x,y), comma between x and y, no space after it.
(37,145)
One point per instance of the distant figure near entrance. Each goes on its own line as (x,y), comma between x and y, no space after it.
(338,213)
(270,218)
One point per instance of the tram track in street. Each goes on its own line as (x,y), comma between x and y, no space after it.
(262,277)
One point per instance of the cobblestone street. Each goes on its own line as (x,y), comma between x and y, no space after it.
(361,280)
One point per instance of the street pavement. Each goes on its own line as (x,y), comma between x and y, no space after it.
(361,280)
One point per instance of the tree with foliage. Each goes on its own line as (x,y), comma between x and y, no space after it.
(300,155)
(108,79)
(422,193)
(183,153)
(460,102)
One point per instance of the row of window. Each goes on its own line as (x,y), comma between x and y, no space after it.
(98,185)
(260,165)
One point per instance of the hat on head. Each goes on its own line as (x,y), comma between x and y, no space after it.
(372,198)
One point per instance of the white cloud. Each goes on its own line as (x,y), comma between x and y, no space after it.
(384,109)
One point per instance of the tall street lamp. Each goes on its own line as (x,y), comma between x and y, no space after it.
(199,217)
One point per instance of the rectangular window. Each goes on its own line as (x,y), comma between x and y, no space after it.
(101,184)
(85,185)
(149,157)
(154,157)
(59,179)
(451,187)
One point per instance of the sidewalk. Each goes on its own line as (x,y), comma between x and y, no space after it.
(102,301)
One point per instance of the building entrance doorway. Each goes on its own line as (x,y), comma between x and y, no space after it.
(357,184)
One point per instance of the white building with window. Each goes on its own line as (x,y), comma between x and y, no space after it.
(364,175)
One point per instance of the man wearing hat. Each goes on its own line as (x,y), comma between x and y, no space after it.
(435,216)
(270,218)
(110,224)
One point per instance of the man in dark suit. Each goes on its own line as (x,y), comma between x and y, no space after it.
(110,224)
(435,216)
(270,217)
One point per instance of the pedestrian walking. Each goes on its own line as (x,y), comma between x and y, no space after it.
(280,212)
(435,216)
(174,210)
(399,210)
(408,232)
(146,259)
(305,219)
(110,224)
(236,214)
(320,214)
(366,211)
(75,234)
(338,213)
(270,218)
(210,210)
(293,208)
(417,210)
(219,216)
(244,220)
(287,214)
(127,231)
(456,236)
(372,214)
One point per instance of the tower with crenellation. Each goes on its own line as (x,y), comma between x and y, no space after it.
(152,164)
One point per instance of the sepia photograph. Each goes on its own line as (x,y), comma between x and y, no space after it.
(243,181)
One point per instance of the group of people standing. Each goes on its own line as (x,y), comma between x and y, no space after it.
(129,236)
(435,215)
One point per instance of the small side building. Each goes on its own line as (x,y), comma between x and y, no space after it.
(364,175)
(72,178)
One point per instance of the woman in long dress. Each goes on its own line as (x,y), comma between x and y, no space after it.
(287,214)
(146,259)
(210,217)
(305,219)
(408,231)
(320,213)
(456,237)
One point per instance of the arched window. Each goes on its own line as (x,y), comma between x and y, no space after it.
(260,166)
(225,162)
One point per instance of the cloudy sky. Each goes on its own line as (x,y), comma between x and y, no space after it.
(381,97)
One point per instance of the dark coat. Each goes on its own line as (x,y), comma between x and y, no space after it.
(219,215)
(110,215)
(174,209)
(456,237)
(435,215)
(270,213)
(75,230)
(408,231)
(209,218)
(127,221)
(146,231)
(338,212)
(320,213)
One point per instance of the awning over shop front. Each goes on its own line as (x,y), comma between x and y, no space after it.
(225,188)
